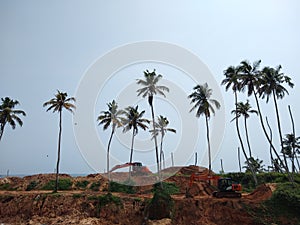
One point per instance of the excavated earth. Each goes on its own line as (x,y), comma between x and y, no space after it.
(81,206)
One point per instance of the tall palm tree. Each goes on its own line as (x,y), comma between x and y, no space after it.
(113,117)
(9,115)
(251,79)
(271,84)
(57,104)
(162,128)
(149,89)
(134,120)
(244,109)
(233,80)
(204,105)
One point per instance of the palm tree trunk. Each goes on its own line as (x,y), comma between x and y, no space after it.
(241,142)
(2,130)
(150,100)
(239,158)
(161,152)
(271,137)
(208,144)
(293,130)
(131,152)
(107,156)
(247,137)
(58,151)
(267,136)
(279,129)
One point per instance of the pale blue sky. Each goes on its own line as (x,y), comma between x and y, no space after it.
(49,45)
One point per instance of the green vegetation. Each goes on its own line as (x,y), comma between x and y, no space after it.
(168,188)
(32,185)
(162,204)
(78,196)
(82,184)
(5,186)
(287,196)
(126,187)
(63,184)
(104,200)
(248,184)
(95,186)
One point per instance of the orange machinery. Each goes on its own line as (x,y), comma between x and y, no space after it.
(226,186)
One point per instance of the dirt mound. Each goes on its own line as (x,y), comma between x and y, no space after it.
(189,170)
(261,193)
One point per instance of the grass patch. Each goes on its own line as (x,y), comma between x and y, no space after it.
(63,184)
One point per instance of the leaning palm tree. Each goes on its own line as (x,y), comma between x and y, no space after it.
(233,80)
(244,109)
(251,79)
(113,117)
(271,84)
(134,120)
(201,98)
(9,115)
(162,128)
(57,104)
(149,89)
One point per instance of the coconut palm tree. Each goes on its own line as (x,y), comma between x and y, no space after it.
(233,80)
(244,109)
(9,115)
(291,146)
(271,84)
(57,104)
(112,117)
(133,120)
(149,89)
(162,128)
(251,79)
(204,105)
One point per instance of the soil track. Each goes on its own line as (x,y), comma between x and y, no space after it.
(78,206)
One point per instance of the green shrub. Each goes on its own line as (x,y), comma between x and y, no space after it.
(95,186)
(170,188)
(82,184)
(63,184)
(78,195)
(161,205)
(287,196)
(5,186)
(126,187)
(32,185)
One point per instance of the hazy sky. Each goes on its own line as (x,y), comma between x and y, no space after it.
(49,45)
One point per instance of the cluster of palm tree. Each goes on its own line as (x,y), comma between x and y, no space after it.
(263,83)
(132,119)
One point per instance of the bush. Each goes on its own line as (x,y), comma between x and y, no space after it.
(82,184)
(168,187)
(32,185)
(63,184)
(287,197)
(161,205)
(95,186)
(5,186)
(126,187)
